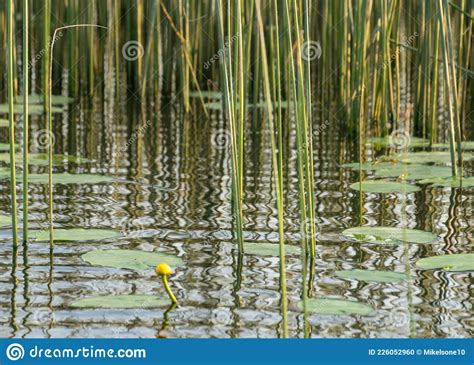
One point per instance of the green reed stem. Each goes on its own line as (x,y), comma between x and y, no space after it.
(25,119)
(11,123)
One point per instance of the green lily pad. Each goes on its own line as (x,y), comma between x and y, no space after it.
(336,306)
(77,234)
(35,99)
(34,109)
(5,221)
(439,157)
(65,178)
(206,94)
(368,166)
(450,182)
(122,302)
(382,187)
(372,275)
(467,145)
(41,159)
(4,122)
(389,235)
(386,141)
(268,249)
(4,147)
(130,259)
(454,262)
(218,105)
(413,171)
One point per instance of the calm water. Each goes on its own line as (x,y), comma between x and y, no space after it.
(175,198)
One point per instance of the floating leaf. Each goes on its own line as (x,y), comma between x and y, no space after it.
(66,178)
(268,249)
(4,122)
(34,109)
(5,221)
(413,171)
(390,235)
(454,262)
(41,159)
(382,187)
(372,275)
(122,302)
(367,166)
(467,145)
(450,182)
(336,306)
(440,157)
(386,142)
(4,147)
(218,105)
(77,234)
(35,99)
(130,259)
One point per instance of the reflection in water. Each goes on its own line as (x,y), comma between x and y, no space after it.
(176,198)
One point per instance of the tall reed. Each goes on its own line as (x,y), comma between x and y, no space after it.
(11,122)
(25,119)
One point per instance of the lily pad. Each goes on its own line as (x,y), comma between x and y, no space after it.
(130,259)
(386,142)
(372,275)
(218,105)
(34,109)
(368,166)
(77,234)
(66,178)
(35,99)
(4,122)
(122,302)
(454,262)
(382,187)
(41,159)
(467,145)
(450,182)
(413,171)
(336,306)
(5,221)
(4,147)
(388,235)
(439,157)
(268,249)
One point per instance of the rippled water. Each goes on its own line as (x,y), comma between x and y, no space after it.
(175,198)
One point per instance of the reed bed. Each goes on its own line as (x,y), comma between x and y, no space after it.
(291,56)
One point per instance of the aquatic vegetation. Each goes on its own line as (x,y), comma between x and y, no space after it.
(5,221)
(41,159)
(269,249)
(452,262)
(372,275)
(329,306)
(35,99)
(450,182)
(387,141)
(129,259)
(164,271)
(121,302)
(3,123)
(437,157)
(33,109)
(388,235)
(77,234)
(413,171)
(384,186)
